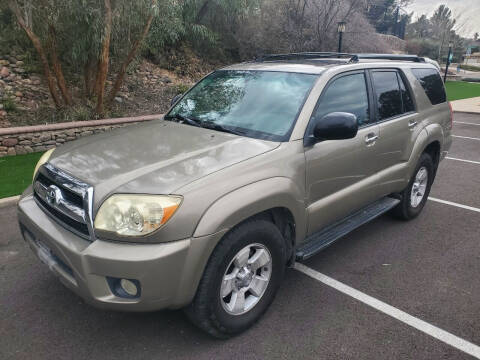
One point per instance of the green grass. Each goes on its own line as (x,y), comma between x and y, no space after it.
(16,173)
(457,90)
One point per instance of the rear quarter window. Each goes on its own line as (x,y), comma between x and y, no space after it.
(432,84)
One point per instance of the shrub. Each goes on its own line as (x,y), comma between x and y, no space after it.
(470,67)
(182,88)
(9,105)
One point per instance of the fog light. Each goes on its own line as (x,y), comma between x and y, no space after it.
(125,288)
(129,287)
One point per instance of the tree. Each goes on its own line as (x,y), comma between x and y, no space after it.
(442,24)
(132,53)
(103,61)
(476,36)
(420,28)
(26,25)
(108,40)
(387,15)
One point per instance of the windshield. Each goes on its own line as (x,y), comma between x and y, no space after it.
(260,104)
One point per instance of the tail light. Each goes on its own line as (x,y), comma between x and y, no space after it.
(451,115)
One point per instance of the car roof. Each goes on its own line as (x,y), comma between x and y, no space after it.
(297,63)
(281,66)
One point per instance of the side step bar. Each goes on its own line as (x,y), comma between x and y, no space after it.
(325,237)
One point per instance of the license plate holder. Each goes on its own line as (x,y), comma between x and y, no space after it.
(45,254)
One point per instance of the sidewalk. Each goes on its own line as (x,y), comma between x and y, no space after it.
(471,105)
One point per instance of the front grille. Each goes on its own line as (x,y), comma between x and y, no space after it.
(72,224)
(75,199)
(66,199)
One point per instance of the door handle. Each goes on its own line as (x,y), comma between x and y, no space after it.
(412,124)
(371,139)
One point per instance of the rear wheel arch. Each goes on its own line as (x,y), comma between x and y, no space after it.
(434,149)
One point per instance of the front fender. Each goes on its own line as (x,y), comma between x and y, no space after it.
(249,200)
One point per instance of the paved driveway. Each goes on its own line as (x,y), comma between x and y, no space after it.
(427,269)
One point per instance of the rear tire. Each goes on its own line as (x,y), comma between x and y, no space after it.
(246,266)
(414,197)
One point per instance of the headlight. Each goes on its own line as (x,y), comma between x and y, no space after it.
(135,215)
(43,160)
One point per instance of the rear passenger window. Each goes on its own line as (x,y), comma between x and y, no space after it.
(389,98)
(407,100)
(346,94)
(432,84)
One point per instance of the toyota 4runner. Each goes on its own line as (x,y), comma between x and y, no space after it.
(259,165)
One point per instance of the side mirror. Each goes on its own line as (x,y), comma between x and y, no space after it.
(336,126)
(175,99)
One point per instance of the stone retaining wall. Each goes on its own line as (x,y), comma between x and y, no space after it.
(29,139)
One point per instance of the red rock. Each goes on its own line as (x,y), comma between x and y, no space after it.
(10,142)
(4,72)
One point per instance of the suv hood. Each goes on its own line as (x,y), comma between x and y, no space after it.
(156,157)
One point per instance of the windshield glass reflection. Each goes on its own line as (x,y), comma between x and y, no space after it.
(258,104)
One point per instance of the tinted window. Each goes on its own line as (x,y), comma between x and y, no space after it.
(346,94)
(432,84)
(408,105)
(389,99)
(259,104)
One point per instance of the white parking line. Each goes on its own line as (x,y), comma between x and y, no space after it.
(466,123)
(467,161)
(454,204)
(465,137)
(408,319)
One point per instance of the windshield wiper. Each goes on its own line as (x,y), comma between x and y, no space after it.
(218,127)
(184,119)
(203,124)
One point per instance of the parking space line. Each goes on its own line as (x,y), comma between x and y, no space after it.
(454,204)
(465,137)
(467,161)
(437,333)
(466,123)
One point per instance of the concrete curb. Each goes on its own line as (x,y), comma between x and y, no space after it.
(467,112)
(9,201)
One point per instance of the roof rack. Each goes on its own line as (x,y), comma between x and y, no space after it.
(396,57)
(332,55)
(306,56)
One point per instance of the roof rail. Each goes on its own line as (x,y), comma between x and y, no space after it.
(306,56)
(397,57)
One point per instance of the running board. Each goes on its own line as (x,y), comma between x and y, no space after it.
(320,240)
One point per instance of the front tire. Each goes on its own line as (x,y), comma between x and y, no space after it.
(241,279)
(414,197)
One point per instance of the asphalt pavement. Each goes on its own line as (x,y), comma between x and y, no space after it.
(428,268)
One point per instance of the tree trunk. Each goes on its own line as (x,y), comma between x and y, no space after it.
(104,59)
(57,67)
(202,12)
(131,55)
(41,52)
(89,77)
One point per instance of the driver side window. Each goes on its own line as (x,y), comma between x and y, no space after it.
(346,94)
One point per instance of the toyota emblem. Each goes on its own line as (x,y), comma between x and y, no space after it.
(53,195)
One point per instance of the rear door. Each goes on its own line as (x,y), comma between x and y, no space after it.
(339,174)
(398,121)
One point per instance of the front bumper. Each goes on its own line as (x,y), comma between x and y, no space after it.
(168,273)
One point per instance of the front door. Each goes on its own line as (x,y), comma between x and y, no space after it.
(340,174)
